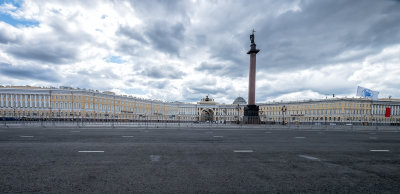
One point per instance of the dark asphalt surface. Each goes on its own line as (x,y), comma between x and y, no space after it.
(47,160)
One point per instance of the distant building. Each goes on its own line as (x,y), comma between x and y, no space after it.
(66,103)
(240,101)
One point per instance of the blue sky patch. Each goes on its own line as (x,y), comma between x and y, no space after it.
(17,22)
(115,59)
(7,18)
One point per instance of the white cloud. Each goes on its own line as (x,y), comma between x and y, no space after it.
(185,50)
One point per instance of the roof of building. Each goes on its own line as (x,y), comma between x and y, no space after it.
(239,100)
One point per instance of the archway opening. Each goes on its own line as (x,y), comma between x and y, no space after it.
(207,115)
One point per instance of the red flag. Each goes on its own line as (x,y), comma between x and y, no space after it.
(388,110)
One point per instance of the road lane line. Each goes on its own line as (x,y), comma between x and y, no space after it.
(155,158)
(85,151)
(379,150)
(242,151)
(309,157)
(127,136)
(25,136)
(300,137)
(217,136)
(75,131)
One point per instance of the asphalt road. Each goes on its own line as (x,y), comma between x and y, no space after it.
(112,160)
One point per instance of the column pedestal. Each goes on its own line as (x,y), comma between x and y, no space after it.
(251,115)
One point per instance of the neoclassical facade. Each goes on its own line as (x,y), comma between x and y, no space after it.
(65,103)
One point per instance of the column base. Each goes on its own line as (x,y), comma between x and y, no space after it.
(251,115)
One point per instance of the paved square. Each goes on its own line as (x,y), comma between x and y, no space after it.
(183,160)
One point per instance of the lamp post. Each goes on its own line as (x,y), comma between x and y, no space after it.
(284,109)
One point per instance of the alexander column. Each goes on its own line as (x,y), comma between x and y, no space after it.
(251,110)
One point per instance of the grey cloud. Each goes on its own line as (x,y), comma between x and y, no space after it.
(129,48)
(29,72)
(322,31)
(223,70)
(164,71)
(164,24)
(131,33)
(58,47)
(45,52)
(103,73)
(158,84)
(160,35)
(166,37)
(9,34)
(6,37)
(209,67)
(160,9)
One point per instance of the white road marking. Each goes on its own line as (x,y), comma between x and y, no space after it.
(26,136)
(300,137)
(242,151)
(90,151)
(155,158)
(75,131)
(127,136)
(379,150)
(218,136)
(309,157)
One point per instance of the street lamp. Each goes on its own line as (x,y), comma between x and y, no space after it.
(284,109)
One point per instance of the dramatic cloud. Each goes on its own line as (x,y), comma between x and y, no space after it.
(28,73)
(184,50)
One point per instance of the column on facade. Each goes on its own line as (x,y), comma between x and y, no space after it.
(18,100)
(15,100)
(35,101)
(11,96)
(25,101)
(372,109)
(22,100)
(38,103)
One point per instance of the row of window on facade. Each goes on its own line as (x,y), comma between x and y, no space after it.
(327,105)
(24,100)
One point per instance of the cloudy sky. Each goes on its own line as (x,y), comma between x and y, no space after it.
(184,50)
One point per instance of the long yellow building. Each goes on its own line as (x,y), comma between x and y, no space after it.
(65,103)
